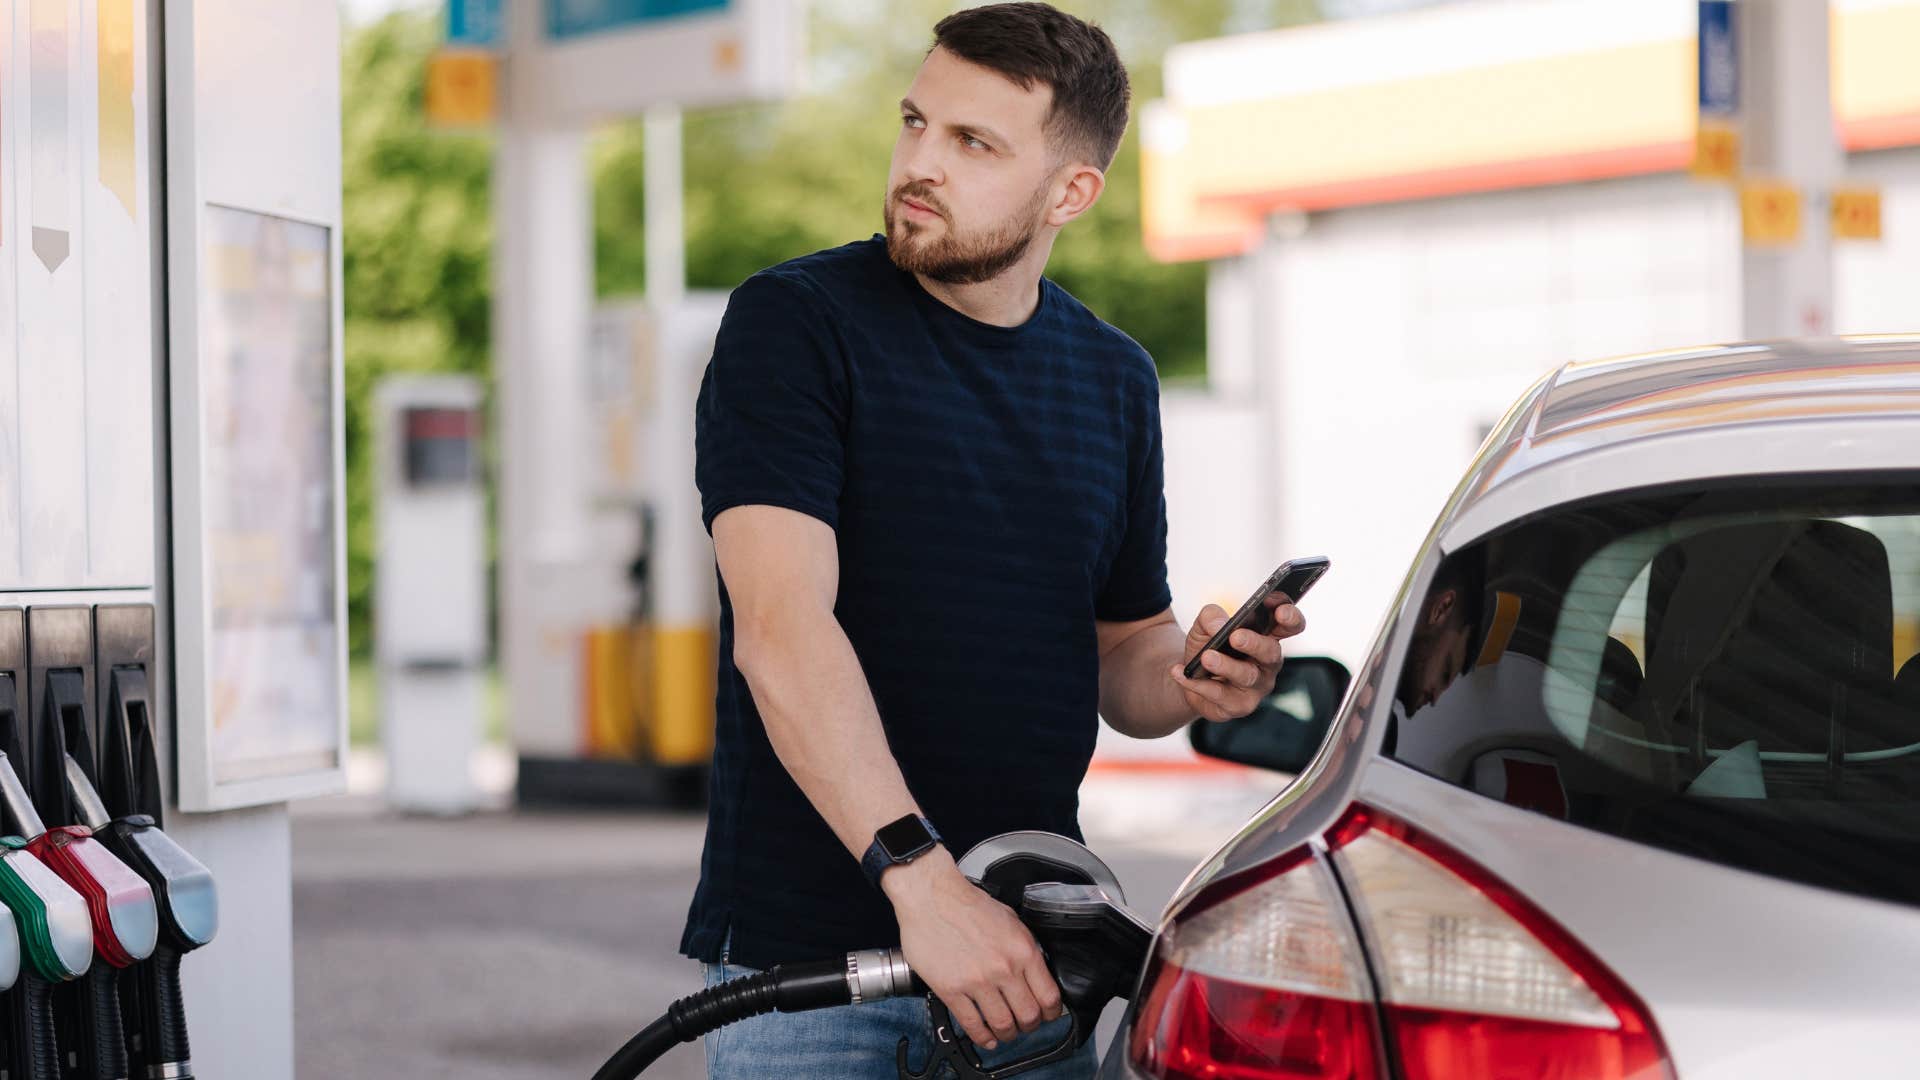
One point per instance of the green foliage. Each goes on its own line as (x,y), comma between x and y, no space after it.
(763,184)
(768,183)
(415,248)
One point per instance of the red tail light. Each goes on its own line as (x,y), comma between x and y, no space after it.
(1262,977)
(1477,981)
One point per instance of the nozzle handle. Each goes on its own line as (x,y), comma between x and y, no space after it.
(33,1051)
(164,1049)
(106,1041)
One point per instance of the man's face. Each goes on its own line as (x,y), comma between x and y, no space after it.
(1437,654)
(971,177)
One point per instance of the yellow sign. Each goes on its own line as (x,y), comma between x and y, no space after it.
(460,88)
(1769,213)
(1716,150)
(1856,213)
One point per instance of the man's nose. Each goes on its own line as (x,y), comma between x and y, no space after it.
(923,161)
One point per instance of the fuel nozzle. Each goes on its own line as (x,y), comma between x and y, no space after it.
(54,927)
(56,930)
(89,1021)
(183,888)
(1073,905)
(126,923)
(128,809)
(55,922)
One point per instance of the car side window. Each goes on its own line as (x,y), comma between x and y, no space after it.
(1731,675)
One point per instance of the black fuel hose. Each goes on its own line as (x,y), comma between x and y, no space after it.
(782,988)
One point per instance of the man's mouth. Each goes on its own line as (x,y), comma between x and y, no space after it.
(913,207)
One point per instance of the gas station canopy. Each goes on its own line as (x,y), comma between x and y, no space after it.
(1461,99)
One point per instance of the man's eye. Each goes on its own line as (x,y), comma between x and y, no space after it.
(913,122)
(972,143)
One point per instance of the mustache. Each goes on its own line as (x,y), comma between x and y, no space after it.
(921,193)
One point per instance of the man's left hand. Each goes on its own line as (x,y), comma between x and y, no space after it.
(1236,686)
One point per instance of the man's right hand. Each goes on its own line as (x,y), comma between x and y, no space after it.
(971,950)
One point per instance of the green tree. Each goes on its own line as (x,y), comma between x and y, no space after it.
(415,253)
(770,182)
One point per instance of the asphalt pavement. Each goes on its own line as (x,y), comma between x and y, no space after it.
(520,945)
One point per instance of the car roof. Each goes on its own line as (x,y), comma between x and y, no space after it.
(1717,409)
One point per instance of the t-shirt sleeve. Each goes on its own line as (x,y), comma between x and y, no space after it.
(770,421)
(1136,585)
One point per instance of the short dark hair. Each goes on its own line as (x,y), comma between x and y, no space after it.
(1037,43)
(1463,574)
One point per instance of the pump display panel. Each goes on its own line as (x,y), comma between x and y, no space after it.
(268,608)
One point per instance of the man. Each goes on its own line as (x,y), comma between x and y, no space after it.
(933,481)
(1442,647)
(1438,654)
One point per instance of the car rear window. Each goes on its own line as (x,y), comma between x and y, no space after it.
(1728,674)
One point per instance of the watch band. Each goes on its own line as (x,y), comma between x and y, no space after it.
(878,859)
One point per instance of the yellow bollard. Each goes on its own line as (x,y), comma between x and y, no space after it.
(683,668)
(613,727)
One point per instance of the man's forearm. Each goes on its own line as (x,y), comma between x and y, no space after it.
(1136,696)
(821,719)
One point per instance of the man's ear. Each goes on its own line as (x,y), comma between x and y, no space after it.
(1441,606)
(1077,189)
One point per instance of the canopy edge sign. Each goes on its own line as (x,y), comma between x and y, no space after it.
(596,60)
(580,18)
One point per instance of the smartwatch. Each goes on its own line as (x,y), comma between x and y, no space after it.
(896,844)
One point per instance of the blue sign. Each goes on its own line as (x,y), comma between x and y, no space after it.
(580,18)
(1719,58)
(474,23)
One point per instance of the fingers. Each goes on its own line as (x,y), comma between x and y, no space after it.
(1206,624)
(1021,1003)
(968,1017)
(1242,673)
(1258,647)
(1288,621)
(1214,699)
(1046,992)
(999,1019)
(1014,994)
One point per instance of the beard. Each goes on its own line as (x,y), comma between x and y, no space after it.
(955,258)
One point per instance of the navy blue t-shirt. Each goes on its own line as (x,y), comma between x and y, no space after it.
(993,492)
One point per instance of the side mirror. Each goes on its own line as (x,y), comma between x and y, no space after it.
(1286,730)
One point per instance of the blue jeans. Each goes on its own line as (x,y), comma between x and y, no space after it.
(858,1042)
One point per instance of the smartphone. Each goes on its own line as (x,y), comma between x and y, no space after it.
(1292,579)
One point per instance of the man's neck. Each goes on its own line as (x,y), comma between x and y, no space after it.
(1008,299)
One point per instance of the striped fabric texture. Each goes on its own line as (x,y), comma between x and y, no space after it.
(994,491)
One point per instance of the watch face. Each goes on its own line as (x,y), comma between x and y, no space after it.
(904,838)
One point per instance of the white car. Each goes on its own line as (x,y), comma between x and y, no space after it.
(1630,783)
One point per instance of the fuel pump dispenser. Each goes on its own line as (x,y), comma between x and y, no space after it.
(172,520)
(430,589)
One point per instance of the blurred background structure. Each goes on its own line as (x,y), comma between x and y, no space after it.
(356,349)
(1351,233)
